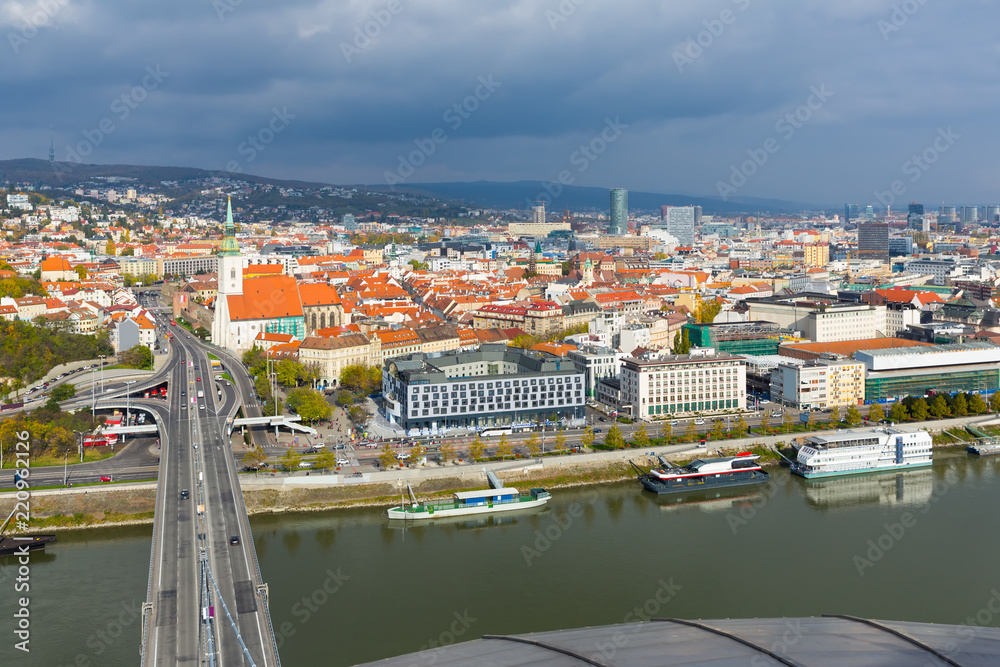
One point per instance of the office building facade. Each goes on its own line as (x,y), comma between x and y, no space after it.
(680,223)
(702,382)
(873,241)
(494,386)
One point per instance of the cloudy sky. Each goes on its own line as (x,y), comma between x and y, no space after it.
(811,100)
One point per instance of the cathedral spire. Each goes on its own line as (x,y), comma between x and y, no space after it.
(230,246)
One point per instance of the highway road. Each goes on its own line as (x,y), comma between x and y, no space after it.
(196,457)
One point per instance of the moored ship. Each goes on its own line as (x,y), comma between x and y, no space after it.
(856,452)
(702,474)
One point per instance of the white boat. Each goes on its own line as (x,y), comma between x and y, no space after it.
(855,452)
(485,501)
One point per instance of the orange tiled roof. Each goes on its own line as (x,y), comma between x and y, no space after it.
(265,299)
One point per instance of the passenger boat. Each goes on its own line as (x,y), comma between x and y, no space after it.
(485,501)
(855,452)
(984,449)
(11,546)
(701,474)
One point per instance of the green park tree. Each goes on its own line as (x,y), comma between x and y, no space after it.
(898,412)
(875,413)
(853,416)
(310,404)
(326,459)
(718,429)
(939,407)
(64,392)
(918,410)
(614,439)
(291,460)
(977,405)
(387,457)
(995,401)
(959,406)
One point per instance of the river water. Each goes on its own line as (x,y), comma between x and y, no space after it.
(348,587)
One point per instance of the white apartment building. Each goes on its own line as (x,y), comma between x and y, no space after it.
(821,318)
(823,383)
(596,363)
(701,382)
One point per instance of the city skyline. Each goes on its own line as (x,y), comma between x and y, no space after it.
(348,95)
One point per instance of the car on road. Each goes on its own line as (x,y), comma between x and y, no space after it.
(197,379)
(201,406)
(106,478)
(185,494)
(343,462)
(699,422)
(674,422)
(597,430)
(183,393)
(311,450)
(763,401)
(234,539)
(601,419)
(184,406)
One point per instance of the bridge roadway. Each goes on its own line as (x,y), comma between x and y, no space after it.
(196,456)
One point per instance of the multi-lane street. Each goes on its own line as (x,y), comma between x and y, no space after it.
(205,588)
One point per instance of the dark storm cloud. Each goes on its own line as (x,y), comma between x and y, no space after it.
(698,83)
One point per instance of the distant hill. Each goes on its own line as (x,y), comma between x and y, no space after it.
(490,194)
(62,174)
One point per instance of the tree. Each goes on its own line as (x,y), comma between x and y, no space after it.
(690,432)
(853,416)
(995,401)
(309,404)
(325,459)
(588,437)
(476,449)
(835,414)
(359,415)
(708,310)
(765,422)
(919,409)
(898,412)
(682,342)
(361,379)
(140,357)
(614,439)
(960,407)
(273,406)
(560,440)
(344,398)
(109,248)
(741,424)
(418,452)
(977,405)
(418,265)
(875,413)
(255,459)
(64,392)
(446,452)
(718,426)
(291,460)
(534,444)
(939,407)
(386,457)
(81,271)
(640,437)
(289,372)
(504,448)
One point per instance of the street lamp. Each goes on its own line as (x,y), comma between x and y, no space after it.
(102,356)
(65,458)
(80,443)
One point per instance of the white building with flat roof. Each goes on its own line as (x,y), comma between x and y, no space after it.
(704,381)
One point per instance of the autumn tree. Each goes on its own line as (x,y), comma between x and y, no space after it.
(255,459)
(476,449)
(853,416)
(959,406)
(875,413)
(446,452)
(919,409)
(640,437)
(614,439)
(898,412)
(560,440)
(977,405)
(387,457)
(588,437)
(939,407)
(534,444)
(504,448)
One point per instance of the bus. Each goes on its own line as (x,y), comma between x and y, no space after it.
(495,432)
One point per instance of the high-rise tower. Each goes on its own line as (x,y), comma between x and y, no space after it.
(619,212)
